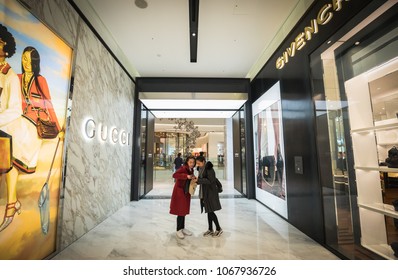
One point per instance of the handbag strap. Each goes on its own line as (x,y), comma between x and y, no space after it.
(25,94)
(52,162)
(29,103)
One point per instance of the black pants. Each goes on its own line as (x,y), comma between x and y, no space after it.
(180,222)
(212,217)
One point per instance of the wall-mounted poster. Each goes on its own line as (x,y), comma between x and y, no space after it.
(269,151)
(35,69)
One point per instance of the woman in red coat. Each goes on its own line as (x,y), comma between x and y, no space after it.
(181,201)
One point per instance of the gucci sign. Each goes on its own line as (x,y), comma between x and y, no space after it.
(106,133)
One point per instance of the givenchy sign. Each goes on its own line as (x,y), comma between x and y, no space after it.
(105,133)
(325,14)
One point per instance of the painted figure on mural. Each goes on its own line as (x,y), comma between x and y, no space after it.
(35,103)
(10,115)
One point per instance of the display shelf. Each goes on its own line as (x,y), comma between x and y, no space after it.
(388,144)
(385,209)
(381,169)
(376,127)
(383,250)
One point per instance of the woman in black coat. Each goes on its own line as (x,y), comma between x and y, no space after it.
(208,194)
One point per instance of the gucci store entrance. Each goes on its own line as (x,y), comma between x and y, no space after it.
(191,116)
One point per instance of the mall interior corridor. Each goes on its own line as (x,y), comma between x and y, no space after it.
(294,103)
(144,230)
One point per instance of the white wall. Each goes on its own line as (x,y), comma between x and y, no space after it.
(214,139)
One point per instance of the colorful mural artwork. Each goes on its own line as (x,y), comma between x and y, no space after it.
(35,70)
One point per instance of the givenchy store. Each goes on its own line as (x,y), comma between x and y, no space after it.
(340,67)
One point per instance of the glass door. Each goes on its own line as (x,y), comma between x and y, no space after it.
(144,119)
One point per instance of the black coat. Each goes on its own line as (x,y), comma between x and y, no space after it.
(211,200)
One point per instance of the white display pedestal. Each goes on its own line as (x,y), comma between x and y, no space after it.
(371,141)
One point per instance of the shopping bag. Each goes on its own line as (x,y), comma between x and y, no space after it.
(5,152)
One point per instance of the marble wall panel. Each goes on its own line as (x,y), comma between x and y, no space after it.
(98,173)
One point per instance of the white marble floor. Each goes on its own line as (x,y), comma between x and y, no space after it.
(145,230)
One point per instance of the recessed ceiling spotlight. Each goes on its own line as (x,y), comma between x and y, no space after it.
(194,34)
(356,43)
(142,4)
(329,42)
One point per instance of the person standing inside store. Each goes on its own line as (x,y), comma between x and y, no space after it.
(178,162)
(208,194)
(180,201)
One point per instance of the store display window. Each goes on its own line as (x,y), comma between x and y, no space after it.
(355,92)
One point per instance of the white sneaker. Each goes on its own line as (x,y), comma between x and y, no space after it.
(217,233)
(179,234)
(208,233)
(186,232)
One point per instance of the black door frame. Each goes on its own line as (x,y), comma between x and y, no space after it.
(216,85)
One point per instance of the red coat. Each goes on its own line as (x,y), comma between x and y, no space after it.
(180,202)
(39,99)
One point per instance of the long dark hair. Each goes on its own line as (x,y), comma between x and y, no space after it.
(35,61)
(187,159)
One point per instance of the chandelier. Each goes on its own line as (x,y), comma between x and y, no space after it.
(185,126)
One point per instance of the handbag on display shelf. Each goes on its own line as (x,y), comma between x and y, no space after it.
(392,160)
(5,152)
(46,129)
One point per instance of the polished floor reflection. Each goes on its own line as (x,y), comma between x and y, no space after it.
(145,230)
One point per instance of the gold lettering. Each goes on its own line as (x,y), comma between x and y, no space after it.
(292,49)
(337,4)
(286,56)
(280,63)
(309,30)
(300,42)
(324,16)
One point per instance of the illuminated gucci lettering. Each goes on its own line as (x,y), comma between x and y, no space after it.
(324,16)
(112,134)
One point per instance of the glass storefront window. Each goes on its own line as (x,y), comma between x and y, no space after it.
(355,91)
(144,117)
(167,146)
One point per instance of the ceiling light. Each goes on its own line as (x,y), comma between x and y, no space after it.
(329,42)
(142,4)
(194,34)
(172,104)
(356,43)
(193,114)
